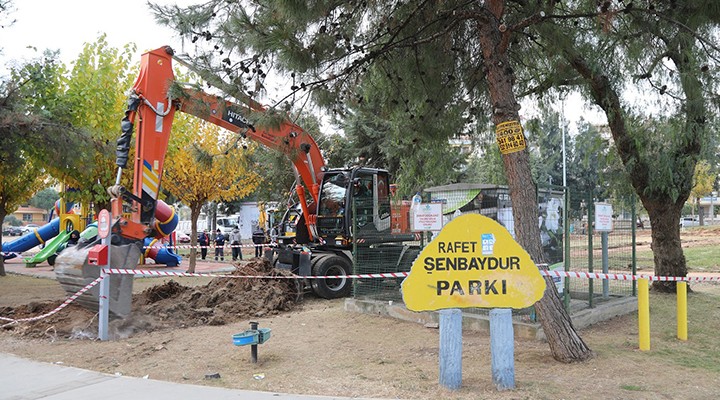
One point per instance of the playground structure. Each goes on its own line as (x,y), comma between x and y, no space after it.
(67,217)
(53,235)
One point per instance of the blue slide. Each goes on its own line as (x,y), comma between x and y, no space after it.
(31,239)
(161,255)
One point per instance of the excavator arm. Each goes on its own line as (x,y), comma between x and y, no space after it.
(152,108)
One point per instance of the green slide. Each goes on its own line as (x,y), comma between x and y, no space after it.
(50,249)
(58,244)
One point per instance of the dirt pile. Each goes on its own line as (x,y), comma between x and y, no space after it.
(172,305)
(221,301)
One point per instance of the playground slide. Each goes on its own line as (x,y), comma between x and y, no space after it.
(161,255)
(58,244)
(51,247)
(31,239)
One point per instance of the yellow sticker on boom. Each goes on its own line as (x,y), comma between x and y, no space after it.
(473,262)
(510,137)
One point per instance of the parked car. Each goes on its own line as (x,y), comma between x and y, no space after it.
(12,231)
(182,238)
(689,221)
(28,228)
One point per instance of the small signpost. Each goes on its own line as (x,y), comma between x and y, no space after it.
(604,225)
(104,295)
(474,262)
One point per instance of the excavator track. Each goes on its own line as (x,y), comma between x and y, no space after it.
(74,272)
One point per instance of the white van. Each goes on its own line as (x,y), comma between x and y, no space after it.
(227,224)
(689,221)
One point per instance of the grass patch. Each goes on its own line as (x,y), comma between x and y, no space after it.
(698,259)
(702,259)
(702,349)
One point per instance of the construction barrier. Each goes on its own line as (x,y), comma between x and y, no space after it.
(643,296)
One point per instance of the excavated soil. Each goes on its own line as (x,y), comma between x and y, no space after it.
(171,305)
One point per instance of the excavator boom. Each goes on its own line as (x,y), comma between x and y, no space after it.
(151,103)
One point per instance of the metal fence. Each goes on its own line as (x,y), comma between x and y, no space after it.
(379,249)
(612,252)
(376,252)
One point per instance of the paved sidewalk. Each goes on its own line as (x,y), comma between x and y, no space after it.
(29,380)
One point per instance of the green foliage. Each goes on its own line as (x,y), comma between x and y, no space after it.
(45,199)
(78,112)
(394,96)
(12,220)
(21,137)
(486,168)
(545,137)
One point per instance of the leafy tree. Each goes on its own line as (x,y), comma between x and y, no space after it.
(20,136)
(544,135)
(96,94)
(664,50)
(90,99)
(201,168)
(703,182)
(432,67)
(45,198)
(486,167)
(12,220)
(17,184)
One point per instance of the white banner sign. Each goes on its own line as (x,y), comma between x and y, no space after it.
(603,217)
(428,217)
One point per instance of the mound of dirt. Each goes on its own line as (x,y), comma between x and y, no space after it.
(222,300)
(171,305)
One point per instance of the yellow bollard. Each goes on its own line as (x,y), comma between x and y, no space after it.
(644,314)
(682,316)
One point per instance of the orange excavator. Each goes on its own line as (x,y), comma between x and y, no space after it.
(316,235)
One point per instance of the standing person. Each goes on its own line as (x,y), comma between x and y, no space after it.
(274,234)
(219,243)
(235,244)
(258,238)
(203,241)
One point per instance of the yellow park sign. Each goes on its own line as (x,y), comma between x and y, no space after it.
(473,262)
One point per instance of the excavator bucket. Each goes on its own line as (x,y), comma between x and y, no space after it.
(74,272)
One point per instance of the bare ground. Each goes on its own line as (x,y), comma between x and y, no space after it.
(182,333)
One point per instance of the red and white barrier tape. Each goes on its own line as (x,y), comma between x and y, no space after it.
(60,307)
(189,246)
(570,274)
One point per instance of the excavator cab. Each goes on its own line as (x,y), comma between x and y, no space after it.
(350,199)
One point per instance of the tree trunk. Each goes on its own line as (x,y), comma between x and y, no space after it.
(194,214)
(565,344)
(666,246)
(2,258)
(701,213)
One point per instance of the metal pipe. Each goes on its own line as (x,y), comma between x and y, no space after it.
(254,348)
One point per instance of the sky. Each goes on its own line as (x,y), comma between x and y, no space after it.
(68,24)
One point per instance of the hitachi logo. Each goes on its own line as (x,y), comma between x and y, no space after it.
(235,118)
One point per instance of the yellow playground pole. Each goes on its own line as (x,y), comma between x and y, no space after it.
(644,314)
(682,316)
